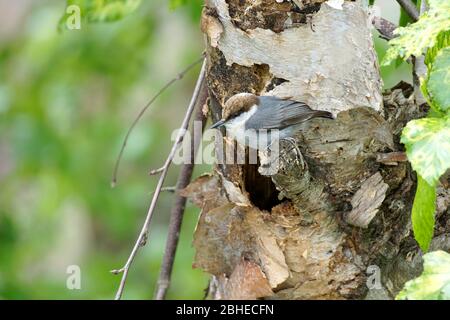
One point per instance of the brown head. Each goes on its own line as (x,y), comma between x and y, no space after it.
(235,105)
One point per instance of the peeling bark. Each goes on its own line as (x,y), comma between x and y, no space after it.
(309,56)
(308,231)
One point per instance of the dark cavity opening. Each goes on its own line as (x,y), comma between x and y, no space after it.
(262,191)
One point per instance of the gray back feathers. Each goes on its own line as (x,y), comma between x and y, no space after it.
(275,113)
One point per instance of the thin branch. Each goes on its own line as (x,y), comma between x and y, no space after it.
(144,231)
(155,171)
(141,113)
(176,215)
(168,189)
(410,9)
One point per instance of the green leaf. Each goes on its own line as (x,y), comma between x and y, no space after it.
(433,283)
(438,82)
(434,111)
(442,41)
(427,143)
(423,213)
(416,37)
(102,10)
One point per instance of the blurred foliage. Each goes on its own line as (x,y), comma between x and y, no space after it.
(66,101)
(100,10)
(173,4)
(191,5)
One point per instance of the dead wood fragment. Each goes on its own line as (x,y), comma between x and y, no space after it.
(367,201)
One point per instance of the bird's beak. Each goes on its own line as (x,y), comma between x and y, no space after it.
(218,124)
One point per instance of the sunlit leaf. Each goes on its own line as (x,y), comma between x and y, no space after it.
(427,144)
(438,83)
(433,283)
(423,213)
(416,37)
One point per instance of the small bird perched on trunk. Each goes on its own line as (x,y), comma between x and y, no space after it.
(255,121)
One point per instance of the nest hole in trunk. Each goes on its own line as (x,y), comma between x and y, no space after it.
(261,189)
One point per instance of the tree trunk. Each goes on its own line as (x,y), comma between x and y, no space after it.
(320,230)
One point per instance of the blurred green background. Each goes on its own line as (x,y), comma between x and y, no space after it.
(66,101)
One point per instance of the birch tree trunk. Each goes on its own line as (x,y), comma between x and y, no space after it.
(339,226)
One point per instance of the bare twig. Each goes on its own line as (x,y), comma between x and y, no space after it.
(144,231)
(141,113)
(155,171)
(391,158)
(410,9)
(176,215)
(168,189)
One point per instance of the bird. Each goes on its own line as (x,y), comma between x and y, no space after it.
(256,121)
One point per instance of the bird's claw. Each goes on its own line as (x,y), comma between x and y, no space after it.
(298,153)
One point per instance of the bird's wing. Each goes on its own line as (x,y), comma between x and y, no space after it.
(274,113)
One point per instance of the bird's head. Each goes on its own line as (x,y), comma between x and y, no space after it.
(235,105)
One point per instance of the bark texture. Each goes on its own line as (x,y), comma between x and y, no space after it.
(311,230)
